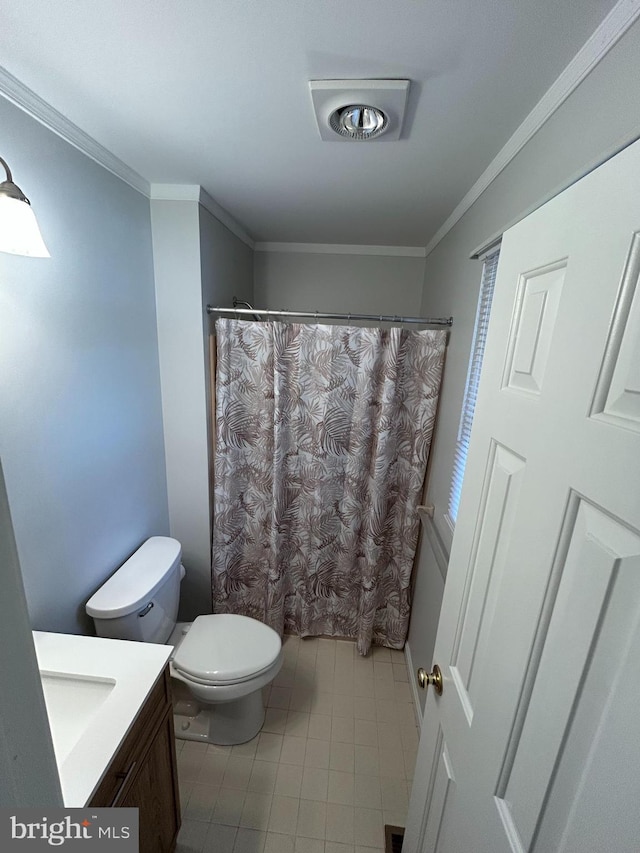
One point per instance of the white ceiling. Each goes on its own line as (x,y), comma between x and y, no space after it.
(215,92)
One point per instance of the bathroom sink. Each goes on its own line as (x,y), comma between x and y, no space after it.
(93,688)
(72,702)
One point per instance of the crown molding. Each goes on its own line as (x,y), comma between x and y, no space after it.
(341,249)
(613,27)
(226,218)
(27,100)
(174,192)
(194,192)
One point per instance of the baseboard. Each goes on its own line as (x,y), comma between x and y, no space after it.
(417,708)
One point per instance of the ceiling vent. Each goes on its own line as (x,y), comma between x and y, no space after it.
(359,110)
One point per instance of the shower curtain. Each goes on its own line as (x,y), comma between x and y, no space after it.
(322,442)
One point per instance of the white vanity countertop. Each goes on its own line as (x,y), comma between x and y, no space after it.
(93,689)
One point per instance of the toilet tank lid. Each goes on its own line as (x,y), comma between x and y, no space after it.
(136,581)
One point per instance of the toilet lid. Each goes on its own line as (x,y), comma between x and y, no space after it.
(224,648)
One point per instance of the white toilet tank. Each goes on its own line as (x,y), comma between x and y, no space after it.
(140,600)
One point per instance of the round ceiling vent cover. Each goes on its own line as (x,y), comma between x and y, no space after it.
(359,121)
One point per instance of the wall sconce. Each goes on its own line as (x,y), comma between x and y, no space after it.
(19,232)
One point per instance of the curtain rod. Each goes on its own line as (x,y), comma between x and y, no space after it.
(323,315)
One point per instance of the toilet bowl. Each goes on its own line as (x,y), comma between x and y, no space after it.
(220,662)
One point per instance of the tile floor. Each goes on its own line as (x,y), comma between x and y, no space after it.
(332,764)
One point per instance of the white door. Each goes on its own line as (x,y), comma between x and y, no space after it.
(535,743)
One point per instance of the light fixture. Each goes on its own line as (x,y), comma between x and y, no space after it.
(359,121)
(19,232)
(359,110)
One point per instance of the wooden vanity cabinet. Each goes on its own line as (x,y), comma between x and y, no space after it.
(144,774)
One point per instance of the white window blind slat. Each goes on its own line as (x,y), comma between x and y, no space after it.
(489,271)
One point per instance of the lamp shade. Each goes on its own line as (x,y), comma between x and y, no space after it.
(19,232)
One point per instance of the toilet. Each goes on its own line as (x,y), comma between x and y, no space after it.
(220,662)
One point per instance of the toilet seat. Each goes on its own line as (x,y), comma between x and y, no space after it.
(226,649)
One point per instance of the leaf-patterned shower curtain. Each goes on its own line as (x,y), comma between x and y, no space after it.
(322,442)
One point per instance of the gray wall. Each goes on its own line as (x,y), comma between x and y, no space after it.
(80,420)
(196,260)
(600,116)
(28,769)
(369,284)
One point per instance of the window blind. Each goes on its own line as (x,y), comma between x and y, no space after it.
(489,270)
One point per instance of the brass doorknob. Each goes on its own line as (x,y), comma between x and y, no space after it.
(434,677)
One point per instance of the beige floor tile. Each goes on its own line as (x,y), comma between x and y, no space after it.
(312,819)
(297,724)
(343,706)
(409,763)
(189,764)
(301,696)
(284,815)
(359,848)
(280,697)
(395,818)
(286,676)
(389,736)
(382,670)
(345,668)
(288,780)
(367,760)
(342,757)
(367,792)
(228,807)
(237,773)
(368,827)
(256,811)
(340,820)
(245,750)
(403,692)
(185,789)
(395,795)
(392,764)
(201,802)
(341,787)
(380,653)
(387,711)
(322,703)
(363,686)
(212,768)
(315,782)
(309,845)
(192,836)
(317,754)
(344,685)
(400,672)
(366,733)
(342,729)
(336,847)
(364,708)
(385,690)
(410,738)
(293,750)
(249,841)
(269,747)
(319,726)
(263,777)
(276,843)
(219,839)
(275,720)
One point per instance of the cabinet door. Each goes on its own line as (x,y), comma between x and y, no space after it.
(154,793)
